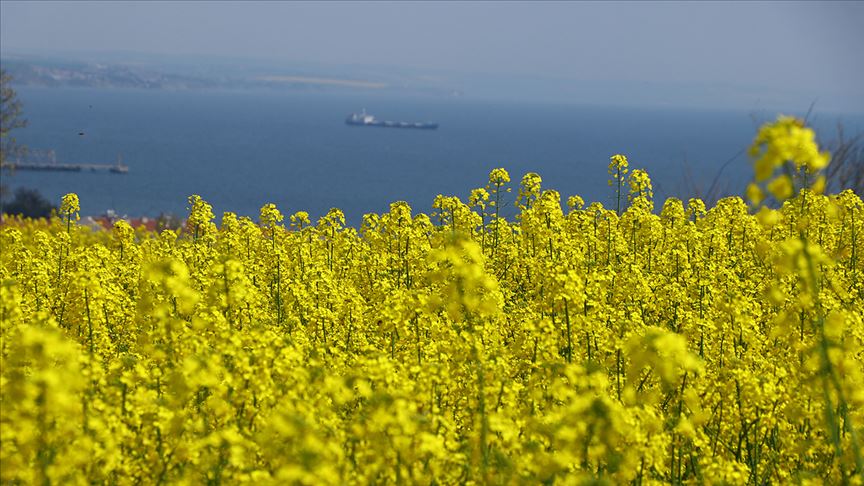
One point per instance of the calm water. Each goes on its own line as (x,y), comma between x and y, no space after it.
(242,150)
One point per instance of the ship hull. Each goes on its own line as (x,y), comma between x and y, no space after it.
(391,124)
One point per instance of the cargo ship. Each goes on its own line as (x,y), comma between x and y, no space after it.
(364,119)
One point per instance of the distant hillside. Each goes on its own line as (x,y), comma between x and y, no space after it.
(99,76)
(54,72)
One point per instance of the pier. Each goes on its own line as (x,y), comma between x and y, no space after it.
(113,168)
(46,160)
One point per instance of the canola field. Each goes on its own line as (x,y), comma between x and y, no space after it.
(644,343)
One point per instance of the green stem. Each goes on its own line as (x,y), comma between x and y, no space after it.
(569,338)
(89,321)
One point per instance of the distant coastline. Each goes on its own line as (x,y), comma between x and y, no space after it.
(58,72)
(322,81)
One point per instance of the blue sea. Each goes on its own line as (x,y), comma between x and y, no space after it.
(241,150)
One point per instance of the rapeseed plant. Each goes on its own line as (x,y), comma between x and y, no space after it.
(720,345)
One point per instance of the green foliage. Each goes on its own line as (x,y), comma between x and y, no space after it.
(28,203)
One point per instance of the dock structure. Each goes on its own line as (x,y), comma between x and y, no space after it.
(46,160)
(114,168)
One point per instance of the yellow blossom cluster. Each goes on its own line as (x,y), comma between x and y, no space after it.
(695,345)
(788,147)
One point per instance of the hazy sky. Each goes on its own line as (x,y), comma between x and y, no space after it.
(815,48)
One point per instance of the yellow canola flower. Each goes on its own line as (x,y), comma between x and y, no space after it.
(755,194)
(781,187)
(789,146)
(300,219)
(786,140)
(499,176)
(819,184)
(70,206)
(270,216)
(123,231)
(768,217)
(479,197)
(617,165)
(613,346)
(575,202)
(468,293)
